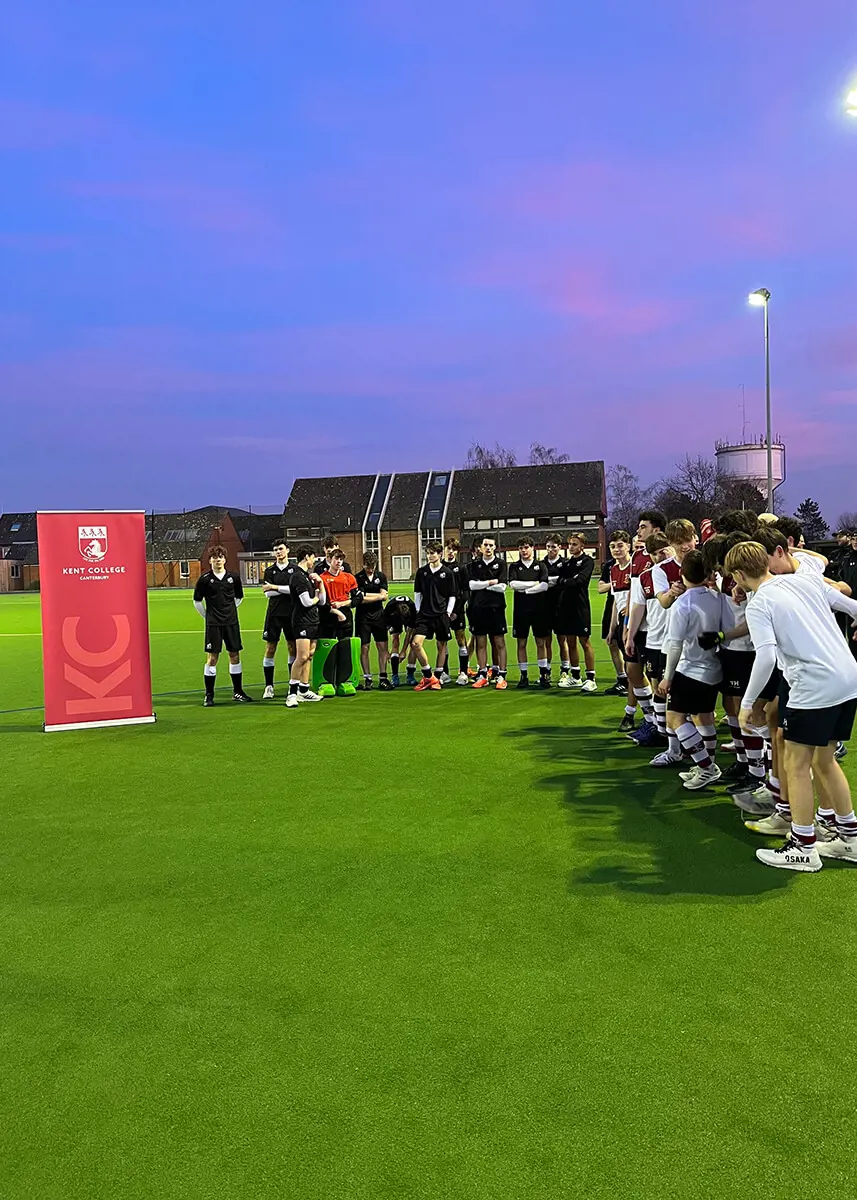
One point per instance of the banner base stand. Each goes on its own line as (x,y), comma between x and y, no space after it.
(102,724)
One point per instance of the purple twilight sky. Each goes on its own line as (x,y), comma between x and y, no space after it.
(240,243)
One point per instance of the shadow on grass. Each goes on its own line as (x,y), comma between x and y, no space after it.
(649,835)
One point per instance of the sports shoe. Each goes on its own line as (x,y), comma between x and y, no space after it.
(748,783)
(522,683)
(501,683)
(463,679)
(545,682)
(589,685)
(825,831)
(309,697)
(268,693)
(564,680)
(292,700)
(627,725)
(618,689)
(736,772)
(326,690)
(703,777)
(365,684)
(840,751)
(242,698)
(646,735)
(729,748)
(425,683)
(793,856)
(471,674)
(689,773)
(774,824)
(208,701)
(665,759)
(481,681)
(576,683)
(384,685)
(844,849)
(758,803)
(446,678)
(346,689)
(395,681)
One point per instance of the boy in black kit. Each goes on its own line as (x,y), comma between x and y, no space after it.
(574,615)
(434,600)
(216,598)
(487,581)
(278,618)
(528,579)
(458,621)
(371,624)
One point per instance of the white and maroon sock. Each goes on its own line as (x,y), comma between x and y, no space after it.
(846,826)
(693,745)
(660,707)
(738,738)
(804,834)
(708,733)
(643,697)
(755,747)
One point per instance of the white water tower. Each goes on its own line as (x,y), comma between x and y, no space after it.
(749,461)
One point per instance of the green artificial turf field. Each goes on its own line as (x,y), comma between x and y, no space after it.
(459,945)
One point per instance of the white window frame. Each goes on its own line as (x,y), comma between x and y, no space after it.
(402,567)
(469,524)
(483,525)
(184,568)
(15,570)
(528,522)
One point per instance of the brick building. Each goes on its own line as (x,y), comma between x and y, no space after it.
(396,514)
(19,552)
(178,544)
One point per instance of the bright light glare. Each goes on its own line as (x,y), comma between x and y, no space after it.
(851,103)
(757,299)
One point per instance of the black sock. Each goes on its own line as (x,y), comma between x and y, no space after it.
(293,687)
(483,672)
(236,681)
(502,672)
(426,672)
(303,688)
(590,674)
(210,681)
(622,678)
(412,670)
(463,660)
(438,672)
(545,672)
(382,674)
(269,676)
(575,672)
(394,663)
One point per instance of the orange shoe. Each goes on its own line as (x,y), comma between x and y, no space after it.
(501,684)
(471,674)
(424,684)
(481,682)
(435,684)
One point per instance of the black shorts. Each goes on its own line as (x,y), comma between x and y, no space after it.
(654,664)
(691,697)
(573,622)
(783,694)
(488,622)
(819,726)
(459,620)
(277,625)
(535,621)
(329,627)
(737,668)
(432,625)
(371,626)
(772,688)
(305,624)
(219,636)
(605,619)
(639,655)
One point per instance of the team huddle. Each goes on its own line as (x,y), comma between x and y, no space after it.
(749,617)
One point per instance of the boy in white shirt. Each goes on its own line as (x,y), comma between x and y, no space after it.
(692,672)
(791,621)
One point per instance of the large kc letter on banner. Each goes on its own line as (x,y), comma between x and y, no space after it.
(95,619)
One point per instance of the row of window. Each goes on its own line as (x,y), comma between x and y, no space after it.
(531,522)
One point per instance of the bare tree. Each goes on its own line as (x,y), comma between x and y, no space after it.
(625,498)
(544,456)
(485,457)
(847,520)
(699,489)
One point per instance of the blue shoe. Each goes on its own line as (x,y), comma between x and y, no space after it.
(646,736)
(394,680)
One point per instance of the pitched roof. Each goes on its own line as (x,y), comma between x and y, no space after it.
(337,503)
(25,532)
(172,537)
(406,500)
(258,531)
(571,489)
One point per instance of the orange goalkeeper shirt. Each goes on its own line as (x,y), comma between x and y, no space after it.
(338,587)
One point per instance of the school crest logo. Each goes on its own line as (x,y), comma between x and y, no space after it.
(92,542)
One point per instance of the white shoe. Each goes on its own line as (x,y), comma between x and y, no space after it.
(445,678)
(825,831)
(589,685)
(292,701)
(463,679)
(577,684)
(704,776)
(564,681)
(268,693)
(792,856)
(774,824)
(758,804)
(729,748)
(308,697)
(690,774)
(845,849)
(665,759)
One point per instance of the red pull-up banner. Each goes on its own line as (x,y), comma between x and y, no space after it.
(95,619)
